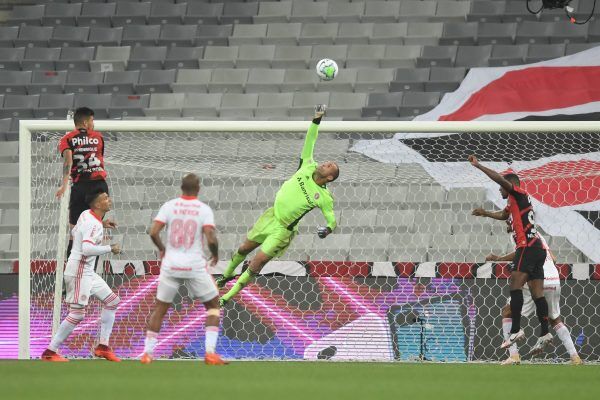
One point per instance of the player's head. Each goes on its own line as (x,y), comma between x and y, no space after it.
(512,178)
(84,118)
(98,200)
(190,185)
(329,171)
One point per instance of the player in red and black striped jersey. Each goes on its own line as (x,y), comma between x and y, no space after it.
(530,253)
(83,154)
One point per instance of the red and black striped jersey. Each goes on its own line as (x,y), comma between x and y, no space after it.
(522,219)
(88,154)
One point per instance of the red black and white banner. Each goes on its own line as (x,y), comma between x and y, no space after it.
(560,170)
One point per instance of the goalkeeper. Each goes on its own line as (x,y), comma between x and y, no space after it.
(276,228)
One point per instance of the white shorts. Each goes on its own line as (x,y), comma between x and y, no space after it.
(80,289)
(552,295)
(201,287)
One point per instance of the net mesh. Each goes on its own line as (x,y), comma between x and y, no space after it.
(404,276)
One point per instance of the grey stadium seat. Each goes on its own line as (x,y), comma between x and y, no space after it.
(219,57)
(409,247)
(115,57)
(248,34)
(344,82)
(417,10)
(503,55)
(131,13)
(452,11)
(140,35)
(122,105)
(61,14)
(369,246)
(10,58)
(437,56)
(534,32)
(347,105)
(201,104)
(345,12)
(96,14)
(7,35)
(270,11)
(424,33)
(373,79)
(177,35)
(75,58)
(262,80)
(239,13)
(64,36)
(54,106)
(459,33)
(381,11)
(282,33)
(496,33)
(313,33)
(354,33)
(273,105)
(213,35)
(567,32)
(304,102)
(297,80)
(400,56)
(192,80)
(333,247)
(97,102)
(473,56)
(443,79)
(409,79)
(29,15)
(155,81)
(167,13)
(486,11)
(47,82)
(236,104)
(40,58)
(183,57)
(388,32)
(383,105)
(303,11)
(166,104)
(14,82)
(541,52)
(122,82)
(255,56)
(365,55)
(291,56)
(147,57)
(338,52)
(33,36)
(105,36)
(228,80)
(415,103)
(203,14)
(515,12)
(19,106)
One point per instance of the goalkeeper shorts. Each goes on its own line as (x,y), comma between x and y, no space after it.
(273,236)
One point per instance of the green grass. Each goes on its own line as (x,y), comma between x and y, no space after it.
(165,380)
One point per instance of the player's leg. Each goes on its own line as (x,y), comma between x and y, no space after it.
(78,290)
(110,301)
(165,293)
(254,268)
(552,295)
(213,315)
(236,259)
(513,351)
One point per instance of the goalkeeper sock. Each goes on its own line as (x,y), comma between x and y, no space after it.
(506,325)
(210,341)
(565,336)
(541,307)
(236,259)
(516,305)
(150,342)
(242,281)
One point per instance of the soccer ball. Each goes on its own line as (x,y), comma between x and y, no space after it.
(327,69)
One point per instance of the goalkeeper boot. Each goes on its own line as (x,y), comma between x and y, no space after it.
(52,356)
(576,360)
(103,351)
(541,344)
(222,281)
(515,359)
(513,338)
(146,358)
(214,359)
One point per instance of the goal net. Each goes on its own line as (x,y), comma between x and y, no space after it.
(403,277)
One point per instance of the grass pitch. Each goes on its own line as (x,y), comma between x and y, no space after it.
(167,380)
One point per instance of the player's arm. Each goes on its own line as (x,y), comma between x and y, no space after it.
(155,229)
(210,233)
(91,236)
(329,214)
(493,175)
(501,215)
(312,135)
(66,169)
(506,257)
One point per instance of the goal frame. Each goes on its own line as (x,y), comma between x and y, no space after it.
(27,127)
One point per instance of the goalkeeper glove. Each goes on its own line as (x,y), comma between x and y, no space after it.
(323,231)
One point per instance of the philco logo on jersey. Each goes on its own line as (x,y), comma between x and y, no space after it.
(77,141)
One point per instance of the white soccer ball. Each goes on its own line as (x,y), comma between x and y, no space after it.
(327,69)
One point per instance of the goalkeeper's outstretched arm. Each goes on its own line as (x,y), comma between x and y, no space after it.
(312,135)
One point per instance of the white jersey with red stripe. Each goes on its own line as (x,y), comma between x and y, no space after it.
(185,217)
(88,229)
(551,276)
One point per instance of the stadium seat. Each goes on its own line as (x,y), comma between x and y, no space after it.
(213,35)
(345,12)
(444,79)
(183,57)
(373,79)
(273,105)
(131,13)
(105,36)
(515,12)
(381,11)
(423,194)
(541,52)
(437,56)
(10,58)
(201,104)
(167,13)
(228,80)
(27,15)
(147,57)
(409,79)
(496,33)
(409,247)
(304,102)
(140,35)
(96,14)
(473,56)
(417,10)
(110,58)
(339,53)
(261,80)
(346,104)
(248,34)
(61,14)
(400,56)
(318,33)
(534,32)
(219,57)
(486,11)
(382,104)
(65,36)
(100,103)
(434,221)
(192,80)
(122,82)
(177,35)
(333,247)
(354,33)
(30,36)
(455,11)
(165,105)
(291,56)
(299,80)
(14,82)
(155,81)
(369,246)
(255,56)
(40,58)
(239,13)
(503,55)
(7,35)
(567,32)
(270,11)
(47,82)
(388,32)
(365,55)
(459,33)
(282,33)
(344,82)
(395,220)
(54,106)
(306,12)
(19,106)
(201,13)
(233,104)
(424,33)
(122,105)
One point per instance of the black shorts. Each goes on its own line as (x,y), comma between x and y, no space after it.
(79,190)
(531,261)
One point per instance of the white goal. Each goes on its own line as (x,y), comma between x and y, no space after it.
(404,275)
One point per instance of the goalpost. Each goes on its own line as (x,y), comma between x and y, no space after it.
(404,276)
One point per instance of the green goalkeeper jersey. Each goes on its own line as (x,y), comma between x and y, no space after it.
(300,194)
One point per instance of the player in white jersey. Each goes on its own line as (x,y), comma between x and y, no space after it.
(188,221)
(81,280)
(552,294)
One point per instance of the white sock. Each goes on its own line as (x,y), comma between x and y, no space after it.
(63,332)
(107,319)
(210,341)
(506,325)
(565,336)
(150,342)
